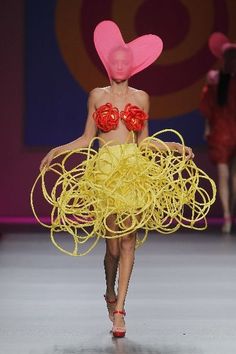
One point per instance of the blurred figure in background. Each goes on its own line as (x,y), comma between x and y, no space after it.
(218,105)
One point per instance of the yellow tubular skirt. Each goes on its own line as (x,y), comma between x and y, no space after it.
(120,189)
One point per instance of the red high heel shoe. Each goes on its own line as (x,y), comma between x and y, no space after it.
(111,305)
(118,332)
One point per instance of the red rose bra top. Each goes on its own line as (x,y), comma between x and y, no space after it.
(107,117)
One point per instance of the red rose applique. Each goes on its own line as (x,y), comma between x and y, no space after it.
(106,117)
(133,117)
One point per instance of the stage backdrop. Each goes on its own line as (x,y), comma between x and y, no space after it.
(49,65)
(62,64)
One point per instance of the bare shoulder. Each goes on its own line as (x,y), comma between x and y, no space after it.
(140,96)
(97,94)
(139,93)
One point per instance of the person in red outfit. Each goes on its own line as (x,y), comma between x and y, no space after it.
(218,106)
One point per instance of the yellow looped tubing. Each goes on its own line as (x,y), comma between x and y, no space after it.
(124,188)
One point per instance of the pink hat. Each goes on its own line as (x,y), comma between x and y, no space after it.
(145,49)
(219,43)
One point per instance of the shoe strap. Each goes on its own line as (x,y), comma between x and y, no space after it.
(119,312)
(109,301)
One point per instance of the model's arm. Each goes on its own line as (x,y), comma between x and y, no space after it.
(83,141)
(145,104)
(206,101)
(206,108)
(180,149)
(172,145)
(175,147)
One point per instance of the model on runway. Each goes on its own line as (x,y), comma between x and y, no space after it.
(133,182)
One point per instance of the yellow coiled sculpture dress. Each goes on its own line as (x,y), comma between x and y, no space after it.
(146,187)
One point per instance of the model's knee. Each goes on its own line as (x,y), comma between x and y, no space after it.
(112,248)
(113,252)
(223,173)
(224,178)
(127,244)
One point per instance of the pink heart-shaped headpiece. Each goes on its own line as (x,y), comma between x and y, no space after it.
(145,49)
(219,43)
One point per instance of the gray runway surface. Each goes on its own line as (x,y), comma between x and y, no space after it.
(181,298)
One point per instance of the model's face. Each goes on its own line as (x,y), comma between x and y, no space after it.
(230,61)
(120,64)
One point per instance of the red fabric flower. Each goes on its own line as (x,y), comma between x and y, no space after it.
(106,117)
(134,117)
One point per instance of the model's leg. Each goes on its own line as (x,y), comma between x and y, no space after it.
(127,253)
(111,261)
(224,191)
(233,181)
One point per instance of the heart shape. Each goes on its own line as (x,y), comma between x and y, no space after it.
(145,49)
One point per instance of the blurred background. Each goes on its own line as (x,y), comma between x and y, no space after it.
(49,64)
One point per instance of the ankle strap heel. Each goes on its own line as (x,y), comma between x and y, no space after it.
(118,312)
(109,301)
(111,305)
(119,332)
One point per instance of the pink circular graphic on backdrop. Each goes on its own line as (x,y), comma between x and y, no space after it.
(174,81)
(171,77)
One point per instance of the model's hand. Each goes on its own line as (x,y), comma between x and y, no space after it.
(47,159)
(206,133)
(188,151)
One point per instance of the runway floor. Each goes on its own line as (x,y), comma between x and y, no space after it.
(182,297)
